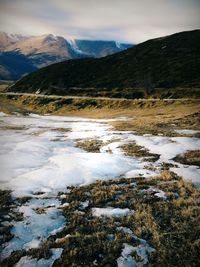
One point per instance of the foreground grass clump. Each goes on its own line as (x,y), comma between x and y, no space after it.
(132,149)
(90,145)
(170,224)
(189,158)
(162,120)
(165,213)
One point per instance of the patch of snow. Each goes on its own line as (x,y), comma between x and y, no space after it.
(2,114)
(35,227)
(32,244)
(186,131)
(159,193)
(126,260)
(143,250)
(84,204)
(168,148)
(137,171)
(33,262)
(63,196)
(118,44)
(113,148)
(64,205)
(189,173)
(74,46)
(110,211)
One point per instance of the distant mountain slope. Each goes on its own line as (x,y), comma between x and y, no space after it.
(44,50)
(14,65)
(171,61)
(101,48)
(9,39)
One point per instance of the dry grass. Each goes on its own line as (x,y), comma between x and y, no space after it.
(171,226)
(132,149)
(189,158)
(146,116)
(90,145)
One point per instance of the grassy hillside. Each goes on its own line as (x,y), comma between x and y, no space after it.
(169,62)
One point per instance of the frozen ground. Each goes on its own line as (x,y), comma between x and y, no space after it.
(109,211)
(38,154)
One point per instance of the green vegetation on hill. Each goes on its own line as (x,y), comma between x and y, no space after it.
(171,62)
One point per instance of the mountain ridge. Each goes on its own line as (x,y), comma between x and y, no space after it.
(47,49)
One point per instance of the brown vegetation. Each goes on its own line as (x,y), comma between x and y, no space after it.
(132,149)
(189,158)
(90,145)
(170,224)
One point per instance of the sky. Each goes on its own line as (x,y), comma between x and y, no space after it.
(131,21)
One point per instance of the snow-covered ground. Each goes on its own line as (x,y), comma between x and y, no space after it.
(42,157)
(38,154)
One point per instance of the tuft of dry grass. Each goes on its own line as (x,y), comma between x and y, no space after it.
(90,145)
(132,149)
(189,158)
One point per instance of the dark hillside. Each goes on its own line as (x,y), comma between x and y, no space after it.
(168,62)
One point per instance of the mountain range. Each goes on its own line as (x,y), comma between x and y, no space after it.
(167,62)
(20,55)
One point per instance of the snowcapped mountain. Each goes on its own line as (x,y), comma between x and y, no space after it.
(9,39)
(41,51)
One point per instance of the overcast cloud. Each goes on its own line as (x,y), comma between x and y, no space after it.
(123,20)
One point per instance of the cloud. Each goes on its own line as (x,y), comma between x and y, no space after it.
(127,20)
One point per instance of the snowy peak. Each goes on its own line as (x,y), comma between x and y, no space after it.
(9,39)
(58,45)
(47,49)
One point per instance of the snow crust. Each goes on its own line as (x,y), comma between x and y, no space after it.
(110,211)
(35,227)
(31,159)
(32,262)
(186,131)
(40,157)
(143,250)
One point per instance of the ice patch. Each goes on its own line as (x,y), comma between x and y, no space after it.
(35,227)
(143,250)
(32,262)
(113,148)
(159,193)
(186,131)
(168,148)
(190,173)
(84,205)
(115,212)
(2,114)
